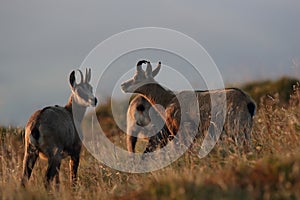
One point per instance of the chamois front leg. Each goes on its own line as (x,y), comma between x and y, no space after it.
(30,157)
(74,163)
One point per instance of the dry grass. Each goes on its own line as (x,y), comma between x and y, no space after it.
(270,170)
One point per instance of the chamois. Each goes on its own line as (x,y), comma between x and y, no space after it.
(240,108)
(51,133)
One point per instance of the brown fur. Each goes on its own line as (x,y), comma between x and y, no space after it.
(238,117)
(51,134)
(139,122)
(238,122)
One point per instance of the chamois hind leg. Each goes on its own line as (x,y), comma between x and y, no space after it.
(53,170)
(30,157)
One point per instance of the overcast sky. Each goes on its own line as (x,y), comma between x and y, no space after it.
(41,42)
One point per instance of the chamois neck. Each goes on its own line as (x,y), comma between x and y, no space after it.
(156,94)
(79,109)
(68,106)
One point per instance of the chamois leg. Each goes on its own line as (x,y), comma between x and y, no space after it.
(152,144)
(159,140)
(74,162)
(131,142)
(53,170)
(30,157)
(248,130)
(57,182)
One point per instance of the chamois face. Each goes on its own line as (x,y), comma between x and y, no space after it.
(141,77)
(83,91)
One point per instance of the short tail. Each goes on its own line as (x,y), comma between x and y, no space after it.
(34,136)
(35,133)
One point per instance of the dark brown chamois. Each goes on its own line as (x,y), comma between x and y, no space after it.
(238,122)
(51,132)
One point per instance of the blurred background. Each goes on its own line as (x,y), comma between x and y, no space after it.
(41,42)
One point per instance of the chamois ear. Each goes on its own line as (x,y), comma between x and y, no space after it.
(72,79)
(156,70)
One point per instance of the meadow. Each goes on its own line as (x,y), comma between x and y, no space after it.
(270,169)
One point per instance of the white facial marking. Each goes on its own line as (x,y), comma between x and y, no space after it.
(83,91)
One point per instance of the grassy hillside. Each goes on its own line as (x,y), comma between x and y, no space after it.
(270,170)
(283,88)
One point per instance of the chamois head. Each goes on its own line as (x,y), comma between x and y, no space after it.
(82,91)
(141,76)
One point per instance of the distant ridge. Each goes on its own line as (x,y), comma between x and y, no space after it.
(283,87)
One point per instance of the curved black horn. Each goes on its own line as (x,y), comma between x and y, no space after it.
(87,75)
(139,65)
(156,70)
(81,75)
(149,69)
(90,74)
